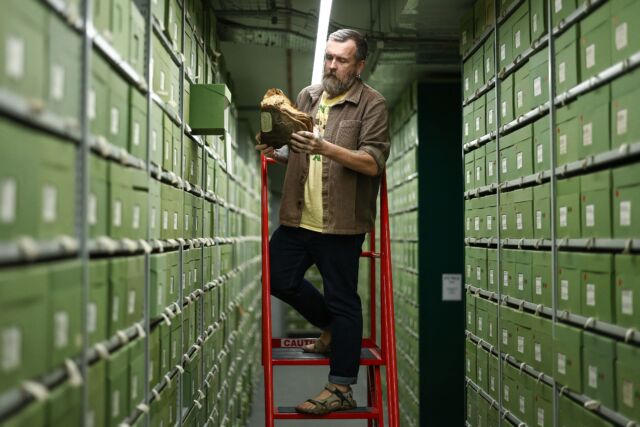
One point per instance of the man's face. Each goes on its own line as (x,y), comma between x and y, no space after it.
(340,67)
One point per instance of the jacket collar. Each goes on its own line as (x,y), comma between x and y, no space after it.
(353,95)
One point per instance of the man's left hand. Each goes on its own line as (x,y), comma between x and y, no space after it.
(307,142)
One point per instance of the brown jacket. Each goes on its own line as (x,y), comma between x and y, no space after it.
(359,122)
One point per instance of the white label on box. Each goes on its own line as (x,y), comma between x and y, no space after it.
(150,373)
(468,365)
(558,6)
(503,52)
(478,170)
(476,224)
(11,348)
(14,57)
(136,133)
(520,344)
(490,330)
(92,105)
(162,81)
(625,213)
(590,53)
(92,209)
(61,329)
(117,213)
(8,197)
(563,144)
(520,99)
(519,221)
(115,121)
(593,376)
(475,76)
(627,302)
(590,214)
(520,282)
(489,222)
(504,165)
(564,290)
(491,277)
(518,37)
(504,222)
(492,383)
(90,419)
(466,83)
(131,302)
(491,116)
(57,82)
(166,150)
(562,364)
(153,218)
(115,403)
(627,393)
(469,224)
(165,220)
(562,72)
(504,108)
(621,36)
(540,417)
(506,392)
(186,221)
(587,134)
(537,352)
(477,124)
(451,287)
(538,220)
(519,160)
(175,220)
(92,317)
(171,285)
(538,285)
(468,318)
(154,140)
(478,273)
(539,153)
(534,22)
(480,324)
(136,217)
(505,278)
(175,157)
(134,387)
(115,309)
(522,405)
(466,129)
(537,86)
(479,374)
(563,216)
(621,122)
(591,294)
(49,203)
(490,168)
(488,66)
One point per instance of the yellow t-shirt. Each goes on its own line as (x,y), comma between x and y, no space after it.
(312,212)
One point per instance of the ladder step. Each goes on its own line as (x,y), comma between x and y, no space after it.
(359,413)
(295,356)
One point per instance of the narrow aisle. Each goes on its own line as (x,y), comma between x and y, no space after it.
(295,383)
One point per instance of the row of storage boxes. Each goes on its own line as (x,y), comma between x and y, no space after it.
(404,110)
(596,366)
(404,197)
(405,254)
(596,122)
(596,205)
(405,286)
(601,286)
(403,167)
(405,136)
(404,225)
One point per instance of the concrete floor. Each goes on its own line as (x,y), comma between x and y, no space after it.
(294,384)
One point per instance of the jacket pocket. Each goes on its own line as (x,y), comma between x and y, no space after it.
(348,133)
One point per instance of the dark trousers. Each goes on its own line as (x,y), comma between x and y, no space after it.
(293,251)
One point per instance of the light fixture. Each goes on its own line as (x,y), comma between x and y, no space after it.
(321,40)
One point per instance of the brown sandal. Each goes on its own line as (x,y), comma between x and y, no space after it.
(317,347)
(337,401)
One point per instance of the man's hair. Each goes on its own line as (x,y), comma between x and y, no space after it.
(362,49)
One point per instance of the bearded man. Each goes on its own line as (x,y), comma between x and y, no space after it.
(328,205)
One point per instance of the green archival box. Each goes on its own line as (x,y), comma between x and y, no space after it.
(568,208)
(568,133)
(207,108)
(625,110)
(626,194)
(595,41)
(593,110)
(542,212)
(598,374)
(97,318)
(625,26)
(569,289)
(567,67)
(596,273)
(595,195)
(539,78)
(567,347)
(627,292)
(628,380)
(541,277)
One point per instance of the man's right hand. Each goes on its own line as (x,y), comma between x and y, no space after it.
(269,151)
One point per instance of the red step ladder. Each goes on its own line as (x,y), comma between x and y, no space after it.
(278,351)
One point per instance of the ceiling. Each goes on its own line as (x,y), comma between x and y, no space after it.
(270,43)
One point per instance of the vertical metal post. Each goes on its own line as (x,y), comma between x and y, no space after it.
(553,192)
(82,223)
(496,40)
(147,258)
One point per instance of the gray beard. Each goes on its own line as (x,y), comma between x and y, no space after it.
(334,86)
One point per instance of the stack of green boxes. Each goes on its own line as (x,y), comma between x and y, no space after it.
(203,297)
(402,181)
(594,204)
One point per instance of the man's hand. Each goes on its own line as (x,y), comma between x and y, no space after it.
(307,142)
(269,151)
